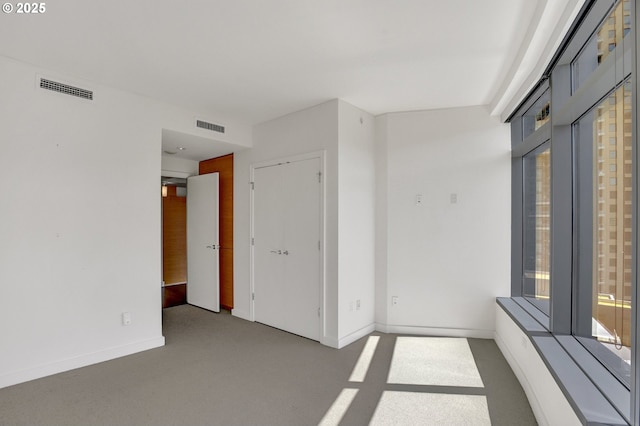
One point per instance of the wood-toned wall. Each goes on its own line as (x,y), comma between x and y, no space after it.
(224,166)
(174,238)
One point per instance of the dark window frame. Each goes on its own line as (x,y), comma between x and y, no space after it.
(568,104)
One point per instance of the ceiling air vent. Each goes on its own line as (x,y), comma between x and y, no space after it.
(210,126)
(66,89)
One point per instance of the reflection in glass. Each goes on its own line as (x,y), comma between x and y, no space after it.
(609,128)
(537,232)
(610,35)
(537,115)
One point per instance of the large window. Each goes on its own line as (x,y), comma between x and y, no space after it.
(537,226)
(574,173)
(602,142)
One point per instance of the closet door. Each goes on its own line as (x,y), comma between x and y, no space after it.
(286,247)
(269,289)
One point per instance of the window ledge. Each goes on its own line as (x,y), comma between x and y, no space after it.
(595,395)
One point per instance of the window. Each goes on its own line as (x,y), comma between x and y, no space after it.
(537,115)
(574,219)
(603,227)
(537,226)
(602,43)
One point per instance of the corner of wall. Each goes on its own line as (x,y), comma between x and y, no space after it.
(381,209)
(356,221)
(356,335)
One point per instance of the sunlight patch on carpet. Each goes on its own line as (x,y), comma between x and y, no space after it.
(410,408)
(362,366)
(339,407)
(436,361)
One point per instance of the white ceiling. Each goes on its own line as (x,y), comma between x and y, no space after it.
(254,60)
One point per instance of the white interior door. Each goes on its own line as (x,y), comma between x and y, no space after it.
(268,246)
(286,247)
(203,245)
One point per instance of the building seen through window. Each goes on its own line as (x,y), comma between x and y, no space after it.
(610,35)
(537,226)
(612,228)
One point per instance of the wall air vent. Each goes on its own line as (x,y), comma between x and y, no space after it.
(210,126)
(66,89)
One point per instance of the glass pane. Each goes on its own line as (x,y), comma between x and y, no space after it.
(606,133)
(537,226)
(536,116)
(610,34)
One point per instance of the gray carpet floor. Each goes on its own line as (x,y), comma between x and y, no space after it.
(220,370)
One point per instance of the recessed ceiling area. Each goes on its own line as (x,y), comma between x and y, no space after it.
(194,148)
(252,60)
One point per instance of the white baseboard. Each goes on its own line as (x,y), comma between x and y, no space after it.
(43,370)
(433,331)
(330,341)
(358,334)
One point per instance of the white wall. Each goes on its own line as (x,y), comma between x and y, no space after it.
(356,227)
(446,262)
(545,397)
(81,178)
(80,231)
(178,167)
(381,222)
(309,130)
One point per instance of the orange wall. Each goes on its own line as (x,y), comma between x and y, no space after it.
(224,166)
(174,237)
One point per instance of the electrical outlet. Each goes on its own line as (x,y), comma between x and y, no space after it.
(394,300)
(358,305)
(126,318)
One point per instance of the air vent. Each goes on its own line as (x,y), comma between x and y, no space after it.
(210,126)
(66,89)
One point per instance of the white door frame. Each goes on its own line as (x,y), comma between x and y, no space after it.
(322,290)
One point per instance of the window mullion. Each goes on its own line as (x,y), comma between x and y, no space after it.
(561,229)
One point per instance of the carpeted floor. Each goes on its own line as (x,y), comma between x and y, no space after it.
(219,370)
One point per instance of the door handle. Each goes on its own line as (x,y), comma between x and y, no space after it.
(286,252)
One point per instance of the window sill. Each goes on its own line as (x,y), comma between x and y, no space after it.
(595,395)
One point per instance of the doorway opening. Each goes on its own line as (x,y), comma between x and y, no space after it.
(174,241)
(223,165)
(174,231)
